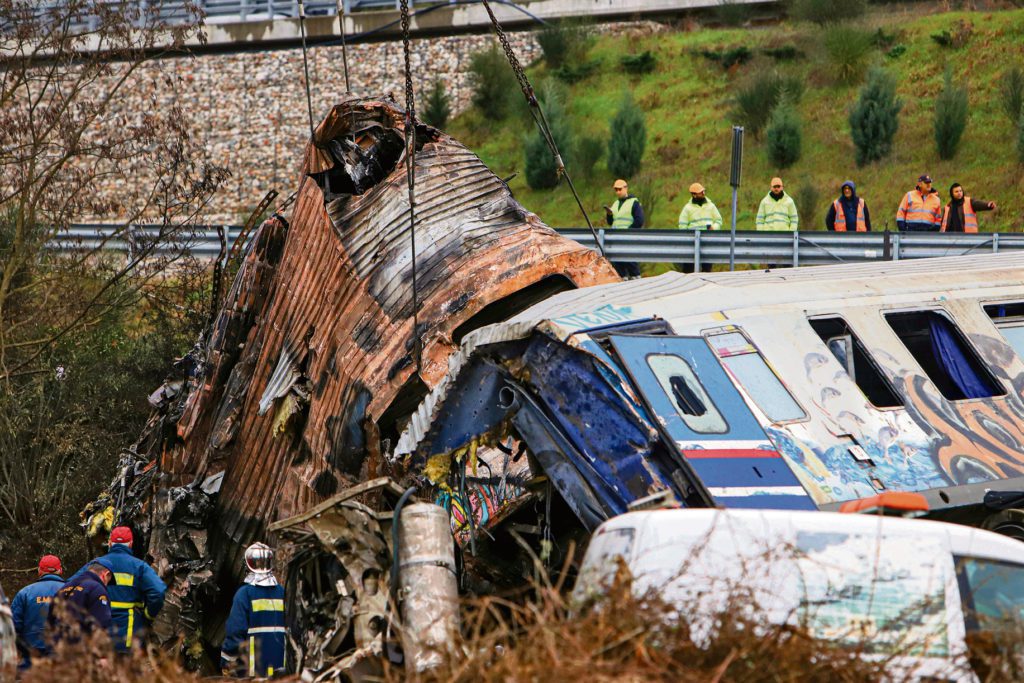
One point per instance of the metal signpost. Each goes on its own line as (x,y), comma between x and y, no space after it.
(734,180)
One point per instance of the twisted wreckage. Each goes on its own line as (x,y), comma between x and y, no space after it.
(312,367)
(531,396)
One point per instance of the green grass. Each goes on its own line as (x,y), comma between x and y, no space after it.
(687,104)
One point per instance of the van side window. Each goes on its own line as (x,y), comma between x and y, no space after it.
(1009,318)
(752,373)
(944,354)
(854,358)
(688,396)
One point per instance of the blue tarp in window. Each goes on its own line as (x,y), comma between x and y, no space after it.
(954,359)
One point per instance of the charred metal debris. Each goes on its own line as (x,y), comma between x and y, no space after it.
(294,399)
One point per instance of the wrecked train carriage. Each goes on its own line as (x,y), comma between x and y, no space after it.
(311,365)
(794,389)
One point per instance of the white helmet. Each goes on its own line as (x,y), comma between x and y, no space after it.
(259,558)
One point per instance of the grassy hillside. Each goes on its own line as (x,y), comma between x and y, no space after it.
(687,104)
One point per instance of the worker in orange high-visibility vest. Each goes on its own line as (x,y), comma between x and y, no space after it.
(961,214)
(848,213)
(921,208)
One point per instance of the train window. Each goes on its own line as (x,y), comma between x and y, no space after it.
(752,373)
(854,358)
(687,394)
(1009,318)
(944,354)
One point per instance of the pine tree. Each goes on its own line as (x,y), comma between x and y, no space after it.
(950,117)
(437,108)
(628,139)
(783,136)
(874,120)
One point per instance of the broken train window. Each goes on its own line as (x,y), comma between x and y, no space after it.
(1008,317)
(944,355)
(750,371)
(853,356)
(687,394)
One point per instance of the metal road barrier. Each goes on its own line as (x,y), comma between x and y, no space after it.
(808,248)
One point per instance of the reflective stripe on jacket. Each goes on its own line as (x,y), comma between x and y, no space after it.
(919,212)
(970,217)
(840,224)
(777,214)
(136,594)
(699,217)
(622,213)
(256,630)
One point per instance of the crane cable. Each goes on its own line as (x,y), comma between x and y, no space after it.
(344,46)
(305,67)
(538,116)
(410,174)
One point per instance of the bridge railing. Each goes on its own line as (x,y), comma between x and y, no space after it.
(805,248)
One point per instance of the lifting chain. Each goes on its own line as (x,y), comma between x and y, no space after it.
(538,116)
(410,174)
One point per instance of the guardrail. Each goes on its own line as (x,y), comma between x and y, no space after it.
(807,248)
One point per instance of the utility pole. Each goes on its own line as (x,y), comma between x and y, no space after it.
(734,180)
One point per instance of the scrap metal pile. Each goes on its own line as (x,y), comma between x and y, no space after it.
(311,370)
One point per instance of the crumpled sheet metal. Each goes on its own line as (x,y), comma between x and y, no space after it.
(335,292)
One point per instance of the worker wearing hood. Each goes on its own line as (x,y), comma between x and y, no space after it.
(848,213)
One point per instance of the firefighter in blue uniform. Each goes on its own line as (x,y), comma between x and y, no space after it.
(30,607)
(136,592)
(254,639)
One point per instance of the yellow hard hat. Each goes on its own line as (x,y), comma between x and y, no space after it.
(696,187)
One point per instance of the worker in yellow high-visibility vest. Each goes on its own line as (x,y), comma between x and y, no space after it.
(700,213)
(625,213)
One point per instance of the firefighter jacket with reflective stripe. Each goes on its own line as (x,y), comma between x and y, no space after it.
(30,607)
(254,637)
(840,223)
(624,214)
(700,216)
(970,222)
(136,595)
(777,214)
(920,213)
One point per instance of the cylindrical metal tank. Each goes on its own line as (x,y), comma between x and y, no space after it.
(427,583)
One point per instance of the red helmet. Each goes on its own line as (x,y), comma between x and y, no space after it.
(50,564)
(121,534)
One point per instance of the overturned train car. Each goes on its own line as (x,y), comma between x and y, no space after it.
(793,389)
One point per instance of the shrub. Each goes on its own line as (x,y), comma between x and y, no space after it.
(645,191)
(848,51)
(896,51)
(956,36)
(577,71)
(754,100)
(885,41)
(1011,93)
(589,150)
(437,108)
(823,12)
(564,42)
(950,117)
(783,53)
(643,63)
(808,202)
(628,139)
(728,58)
(874,119)
(494,85)
(783,138)
(541,171)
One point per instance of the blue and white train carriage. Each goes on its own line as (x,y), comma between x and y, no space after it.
(789,389)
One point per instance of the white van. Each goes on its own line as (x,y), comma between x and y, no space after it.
(912,590)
